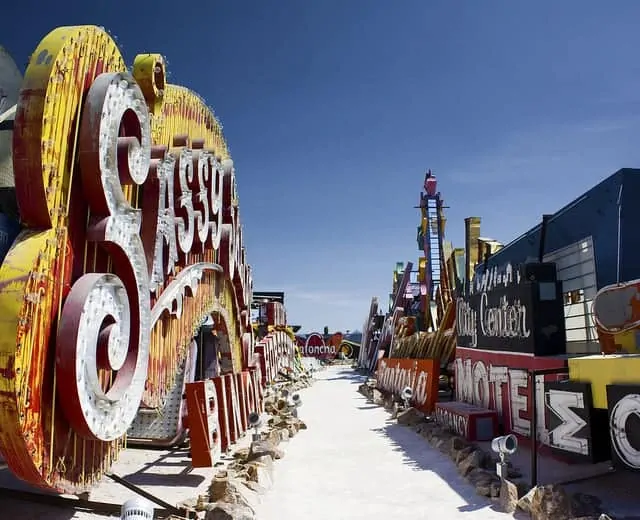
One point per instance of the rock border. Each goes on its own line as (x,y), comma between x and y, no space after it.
(234,492)
(478,467)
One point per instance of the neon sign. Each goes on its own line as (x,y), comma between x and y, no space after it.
(128,197)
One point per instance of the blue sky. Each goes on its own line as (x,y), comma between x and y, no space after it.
(334,109)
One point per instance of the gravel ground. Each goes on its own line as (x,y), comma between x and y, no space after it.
(165,474)
(354,463)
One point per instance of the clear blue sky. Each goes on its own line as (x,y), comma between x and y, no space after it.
(333,110)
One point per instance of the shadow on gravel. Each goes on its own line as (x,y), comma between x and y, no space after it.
(422,457)
(164,479)
(347,374)
(167,471)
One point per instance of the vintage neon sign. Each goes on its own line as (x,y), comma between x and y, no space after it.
(500,381)
(276,354)
(422,375)
(315,346)
(133,235)
(580,431)
(514,309)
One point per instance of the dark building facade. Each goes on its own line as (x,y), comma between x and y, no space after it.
(582,238)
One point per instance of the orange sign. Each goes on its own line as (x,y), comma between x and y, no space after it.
(421,375)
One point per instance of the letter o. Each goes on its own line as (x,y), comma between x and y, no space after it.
(627,406)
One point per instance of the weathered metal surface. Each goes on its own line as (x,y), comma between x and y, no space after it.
(83,287)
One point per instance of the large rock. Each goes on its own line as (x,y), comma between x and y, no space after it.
(524,502)
(550,502)
(553,502)
(261,473)
(484,481)
(227,511)
(509,496)
(273,436)
(475,459)
(457,444)
(226,489)
(365,390)
(410,417)
(378,398)
(260,449)
(462,454)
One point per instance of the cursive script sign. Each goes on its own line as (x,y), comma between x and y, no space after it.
(131,236)
(421,375)
(513,310)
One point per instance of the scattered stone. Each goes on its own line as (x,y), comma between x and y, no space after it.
(192,503)
(261,473)
(233,493)
(495,488)
(284,434)
(475,459)
(274,437)
(261,449)
(553,502)
(550,502)
(228,511)
(483,480)
(365,390)
(378,397)
(219,486)
(524,502)
(458,444)
(462,454)
(410,417)
(242,453)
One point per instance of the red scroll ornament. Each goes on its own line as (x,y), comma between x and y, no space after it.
(105,322)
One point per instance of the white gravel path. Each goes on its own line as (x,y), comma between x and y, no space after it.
(354,463)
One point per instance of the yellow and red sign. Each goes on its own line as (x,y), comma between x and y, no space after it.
(132,236)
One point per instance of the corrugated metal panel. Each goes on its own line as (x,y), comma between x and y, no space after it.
(576,268)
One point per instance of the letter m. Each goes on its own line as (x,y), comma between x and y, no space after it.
(464,380)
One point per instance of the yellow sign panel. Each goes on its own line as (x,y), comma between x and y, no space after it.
(127,192)
(603,370)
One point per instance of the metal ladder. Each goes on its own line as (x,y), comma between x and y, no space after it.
(434,261)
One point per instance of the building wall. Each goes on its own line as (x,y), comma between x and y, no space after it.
(593,214)
(582,239)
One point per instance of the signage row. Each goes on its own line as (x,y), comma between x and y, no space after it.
(218,413)
(588,434)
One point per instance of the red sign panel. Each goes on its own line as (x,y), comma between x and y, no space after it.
(315,346)
(500,381)
(421,375)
